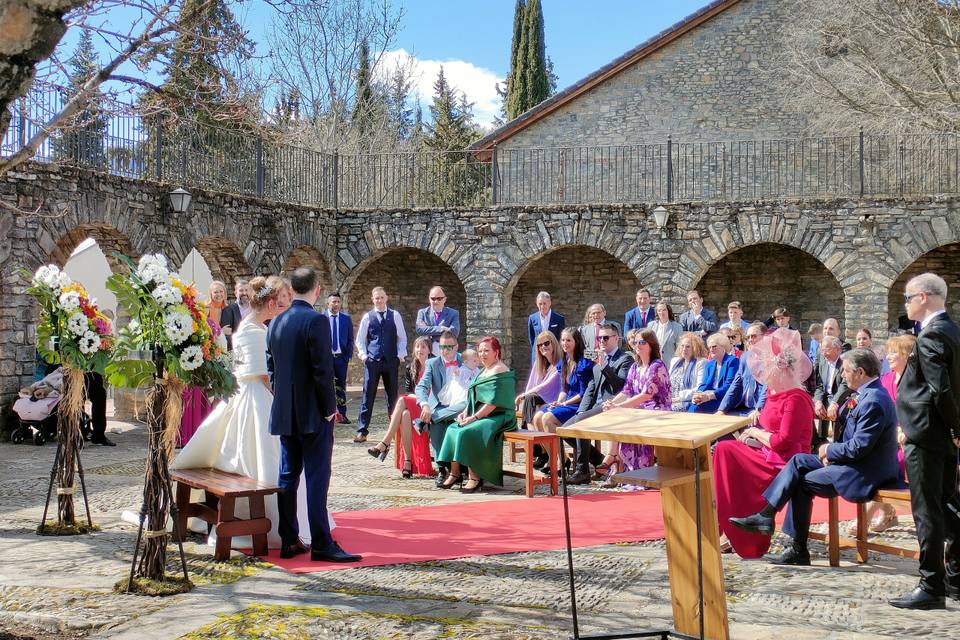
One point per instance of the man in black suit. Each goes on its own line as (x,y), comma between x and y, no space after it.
(928,407)
(236,311)
(611,365)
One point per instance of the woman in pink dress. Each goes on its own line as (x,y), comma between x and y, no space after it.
(743,468)
(196,405)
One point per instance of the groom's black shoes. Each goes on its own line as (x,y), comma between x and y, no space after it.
(289,551)
(919,599)
(757,523)
(333,553)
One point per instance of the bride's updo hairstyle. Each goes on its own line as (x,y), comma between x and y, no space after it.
(263,290)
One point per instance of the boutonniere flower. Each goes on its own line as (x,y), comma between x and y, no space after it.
(851,404)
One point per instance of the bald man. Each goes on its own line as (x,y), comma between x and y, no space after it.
(436,318)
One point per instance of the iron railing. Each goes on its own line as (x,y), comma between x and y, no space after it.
(191,154)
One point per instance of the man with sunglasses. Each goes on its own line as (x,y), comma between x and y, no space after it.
(436,318)
(746,396)
(435,415)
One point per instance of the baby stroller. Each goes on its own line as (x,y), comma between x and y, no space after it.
(37,410)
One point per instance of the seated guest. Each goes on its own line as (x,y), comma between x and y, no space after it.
(543,385)
(861,461)
(647,387)
(815,334)
(746,395)
(667,329)
(641,315)
(576,372)
(686,370)
(698,319)
(415,457)
(735,313)
(435,415)
(865,341)
(743,468)
(543,319)
(735,338)
(830,390)
(476,439)
(608,374)
(718,375)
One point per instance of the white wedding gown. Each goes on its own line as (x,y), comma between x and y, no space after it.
(235,437)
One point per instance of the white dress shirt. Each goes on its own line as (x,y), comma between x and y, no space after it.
(361,340)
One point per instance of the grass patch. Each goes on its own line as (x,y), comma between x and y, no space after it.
(169,586)
(278,622)
(54,528)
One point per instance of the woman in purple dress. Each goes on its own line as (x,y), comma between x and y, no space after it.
(647,387)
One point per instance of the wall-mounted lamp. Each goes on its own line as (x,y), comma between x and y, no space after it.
(180,200)
(660,217)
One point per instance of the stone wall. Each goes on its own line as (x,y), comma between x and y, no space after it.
(945,262)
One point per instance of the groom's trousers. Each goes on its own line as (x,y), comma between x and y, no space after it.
(308,453)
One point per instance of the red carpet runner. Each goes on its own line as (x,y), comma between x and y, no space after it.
(491,527)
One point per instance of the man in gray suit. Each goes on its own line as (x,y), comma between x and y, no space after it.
(432,412)
(436,318)
(831,390)
(611,365)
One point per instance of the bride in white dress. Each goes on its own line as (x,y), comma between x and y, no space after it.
(235,437)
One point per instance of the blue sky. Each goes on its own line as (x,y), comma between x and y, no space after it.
(472,39)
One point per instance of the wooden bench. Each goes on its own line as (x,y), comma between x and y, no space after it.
(526,440)
(835,542)
(517,447)
(221,490)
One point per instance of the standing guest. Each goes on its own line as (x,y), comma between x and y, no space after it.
(641,315)
(831,327)
(236,311)
(436,318)
(744,467)
(927,403)
(97,394)
(865,341)
(381,343)
(667,329)
(607,377)
(543,384)
(831,390)
(815,335)
(746,395)
(698,319)
(341,343)
(647,387)
(862,460)
(595,318)
(735,313)
(196,405)
(686,370)
(476,440)
(414,457)
(218,301)
(779,319)
(718,375)
(543,319)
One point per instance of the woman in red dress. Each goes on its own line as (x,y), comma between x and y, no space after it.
(413,458)
(743,468)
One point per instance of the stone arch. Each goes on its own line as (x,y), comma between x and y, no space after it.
(308,256)
(576,276)
(407,274)
(109,239)
(945,262)
(765,276)
(225,260)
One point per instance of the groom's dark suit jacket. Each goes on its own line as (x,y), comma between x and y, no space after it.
(300,365)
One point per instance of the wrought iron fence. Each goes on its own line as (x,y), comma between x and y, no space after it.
(235,162)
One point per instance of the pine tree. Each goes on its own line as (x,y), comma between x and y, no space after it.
(451,131)
(400,113)
(83,141)
(363,105)
(517,78)
(537,76)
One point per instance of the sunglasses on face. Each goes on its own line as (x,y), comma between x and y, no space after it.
(908,298)
(639,342)
(543,344)
(448,347)
(437,299)
(603,338)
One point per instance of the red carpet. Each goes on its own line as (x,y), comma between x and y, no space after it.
(491,527)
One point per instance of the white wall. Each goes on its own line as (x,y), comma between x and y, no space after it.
(88,266)
(195,269)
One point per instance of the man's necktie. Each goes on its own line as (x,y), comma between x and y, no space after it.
(336,333)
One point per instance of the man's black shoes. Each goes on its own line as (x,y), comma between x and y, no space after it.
(293,550)
(919,599)
(757,523)
(333,553)
(791,557)
(103,441)
(579,477)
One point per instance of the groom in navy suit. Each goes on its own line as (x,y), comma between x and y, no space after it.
(864,460)
(303,414)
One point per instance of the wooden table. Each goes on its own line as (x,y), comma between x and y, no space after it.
(681,444)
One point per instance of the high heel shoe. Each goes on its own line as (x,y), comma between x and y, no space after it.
(377,452)
(407,471)
(609,482)
(452,480)
(474,488)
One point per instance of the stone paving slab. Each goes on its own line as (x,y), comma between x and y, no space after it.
(62,587)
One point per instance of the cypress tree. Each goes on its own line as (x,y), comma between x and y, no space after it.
(538,79)
(83,140)
(517,78)
(363,105)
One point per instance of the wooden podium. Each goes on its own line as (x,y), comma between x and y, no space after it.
(682,447)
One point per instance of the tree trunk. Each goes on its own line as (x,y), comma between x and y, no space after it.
(69,437)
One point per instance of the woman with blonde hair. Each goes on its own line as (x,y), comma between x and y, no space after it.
(196,405)
(686,370)
(543,386)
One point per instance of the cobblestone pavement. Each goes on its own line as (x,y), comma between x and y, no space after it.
(62,587)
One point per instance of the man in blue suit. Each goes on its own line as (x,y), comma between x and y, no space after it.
(698,319)
(303,414)
(341,345)
(864,460)
(746,396)
(432,412)
(718,375)
(641,315)
(543,319)
(436,318)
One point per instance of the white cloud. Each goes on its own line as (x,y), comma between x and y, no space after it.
(477,83)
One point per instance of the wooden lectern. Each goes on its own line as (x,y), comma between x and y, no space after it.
(682,447)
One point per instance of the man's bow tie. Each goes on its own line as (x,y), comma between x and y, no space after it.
(450,364)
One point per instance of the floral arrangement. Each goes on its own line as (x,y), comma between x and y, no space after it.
(72,330)
(170,321)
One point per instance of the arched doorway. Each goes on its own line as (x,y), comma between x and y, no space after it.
(225,261)
(575,277)
(943,261)
(407,275)
(307,256)
(196,270)
(766,276)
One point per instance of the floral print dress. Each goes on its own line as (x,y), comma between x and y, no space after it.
(653,380)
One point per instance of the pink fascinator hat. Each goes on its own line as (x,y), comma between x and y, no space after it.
(778,361)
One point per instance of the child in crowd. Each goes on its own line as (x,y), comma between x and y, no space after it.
(455,393)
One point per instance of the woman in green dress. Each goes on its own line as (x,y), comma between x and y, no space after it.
(476,439)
